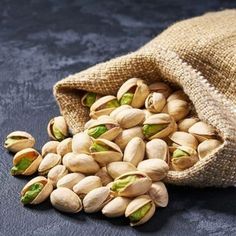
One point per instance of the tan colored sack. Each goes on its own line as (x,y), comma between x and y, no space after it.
(206,44)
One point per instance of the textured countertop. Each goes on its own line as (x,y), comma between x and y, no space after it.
(43,41)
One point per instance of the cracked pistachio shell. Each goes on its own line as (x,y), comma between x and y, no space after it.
(126,135)
(115,112)
(138,203)
(96,199)
(87,124)
(147,113)
(60,125)
(19,140)
(116,169)
(134,151)
(208,147)
(65,200)
(160,87)
(83,187)
(116,207)
(99,107)
(159,194)
(64,147)
(156,169)
(49,147)
(56,173)
(44,193)
(89,98)
(185,124)
(140,92)
(48,162)
(104,176)
(70,180)
(81,143)
(181,138)
(80,163)
(179,94)
(32,154)
(155,102)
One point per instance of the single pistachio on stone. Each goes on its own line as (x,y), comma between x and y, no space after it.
(104,151)
(156,169)
(96,199)
(103,106)
(155,102)
(64,147)
(116,207)
(49,147)
(160,87)
(26,162)
(81,143)
(89,99)
(82,163)
(140,210)
(158,126)
(19,140)
(159,194)
(131,184)
(134,151)
(183,158)
(179,94)
(83,187)
(116,169)
(56,173)
(133,92)
(65,200)
(36,190)
(48,162)
(126,135)
(57,128)
(208,147)
(70,180)
(115,112)
(104,176)
(185,124)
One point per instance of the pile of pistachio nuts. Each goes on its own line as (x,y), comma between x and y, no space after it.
(117,164)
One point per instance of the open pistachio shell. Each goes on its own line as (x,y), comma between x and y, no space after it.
(96,199)
(43,194)
(65,200)
(137,205)
(116,207)
(115,112)
(104,176)
(19,140)
(147,113)
(155,102)
(208,147)
(185,124)
(49,147)
(56,173)
(179,94)
(134,151)
(159,194)
(89,99)
(48,162)
(29,155)
(70,180)
(160,87)
(64,147)
(81,143)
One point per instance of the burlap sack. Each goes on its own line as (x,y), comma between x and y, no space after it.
(206,44)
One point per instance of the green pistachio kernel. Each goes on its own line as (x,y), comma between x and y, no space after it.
(120,184)
(12,140)
(99,148)
(112,103)
(140,213)
(58,134)
(90,98)
(97,131)
(150,130)
(32,193)
(126,99)
(179,153)
(23,164)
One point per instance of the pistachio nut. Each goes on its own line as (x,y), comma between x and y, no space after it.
(19,140)
(86,185)
(126,135)
(103,106)
(80,163)
(56,173)
(87,124)
(116,207)
(104,127)
(155,102)
(48,162)
(81,143)
(109,185)
(179,94)
(147,113)
(158,126)
(36,190)
(115,169)
(115,112)
(185,124)
(208,147)
(160,87)
(134,151)
(159,194)
(65,200)
(70,180)
(96,199)
(104,176)
(133,92)
(104,151)
(156,169)
(49,147)
(183,158)
(89,99)
(64,147)
(140,210)
(26,162)
(131,184)
(57,128)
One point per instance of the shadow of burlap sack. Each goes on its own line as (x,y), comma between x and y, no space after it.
(198,55)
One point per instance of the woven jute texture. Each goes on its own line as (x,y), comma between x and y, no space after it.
(197,55)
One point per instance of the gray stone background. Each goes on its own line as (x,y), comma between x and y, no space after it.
(43,41)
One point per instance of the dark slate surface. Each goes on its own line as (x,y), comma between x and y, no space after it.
(43,41)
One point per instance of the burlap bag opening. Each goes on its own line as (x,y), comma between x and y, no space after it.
(176,62)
